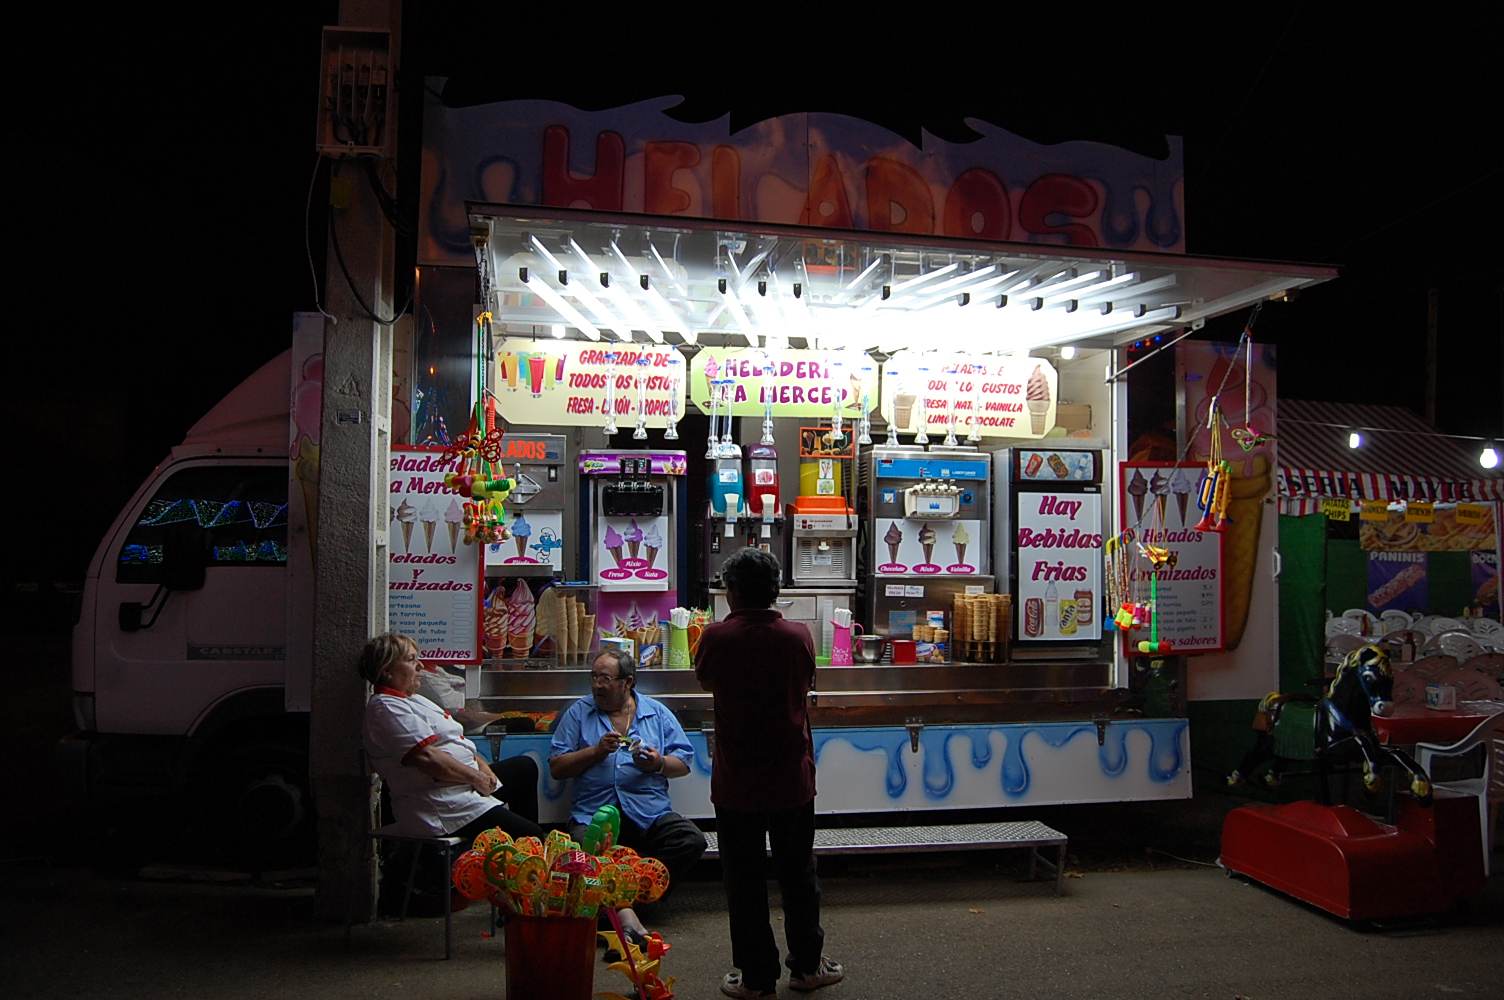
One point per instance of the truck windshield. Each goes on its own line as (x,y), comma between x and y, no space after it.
(240,512)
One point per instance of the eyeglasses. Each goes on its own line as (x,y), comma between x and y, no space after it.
(603,679)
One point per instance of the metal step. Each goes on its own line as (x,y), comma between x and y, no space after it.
(955,837)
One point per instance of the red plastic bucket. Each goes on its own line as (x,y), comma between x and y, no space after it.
(550,958)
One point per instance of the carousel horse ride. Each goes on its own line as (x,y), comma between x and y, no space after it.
(1334,856)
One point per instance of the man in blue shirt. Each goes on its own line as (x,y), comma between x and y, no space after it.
(622,748)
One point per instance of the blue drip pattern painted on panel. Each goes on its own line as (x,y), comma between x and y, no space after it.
(1165,763)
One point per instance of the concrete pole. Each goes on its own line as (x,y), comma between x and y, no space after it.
(352,557)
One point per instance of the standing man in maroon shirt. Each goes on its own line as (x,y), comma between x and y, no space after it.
(762,781)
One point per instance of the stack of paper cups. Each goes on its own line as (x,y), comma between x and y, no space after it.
(678,639)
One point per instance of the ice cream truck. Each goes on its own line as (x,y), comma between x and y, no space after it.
(970,397)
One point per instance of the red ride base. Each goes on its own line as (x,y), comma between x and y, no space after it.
(1338,859)
(551,958)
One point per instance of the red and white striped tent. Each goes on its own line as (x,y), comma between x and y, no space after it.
(1402,458)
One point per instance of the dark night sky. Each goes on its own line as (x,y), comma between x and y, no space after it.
(164,166)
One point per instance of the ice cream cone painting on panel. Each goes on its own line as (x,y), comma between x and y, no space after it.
(1244,400)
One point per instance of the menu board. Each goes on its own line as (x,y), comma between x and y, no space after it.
(998,396)
(563,383)
(433,577)
(798,383)
(1158,502)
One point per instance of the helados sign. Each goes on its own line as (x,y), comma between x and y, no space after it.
(812,169)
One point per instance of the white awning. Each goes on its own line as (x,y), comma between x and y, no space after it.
(626,277)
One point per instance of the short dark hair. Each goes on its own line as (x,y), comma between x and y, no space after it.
(626,664)
(754,575)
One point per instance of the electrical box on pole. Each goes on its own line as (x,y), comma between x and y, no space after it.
(355,92)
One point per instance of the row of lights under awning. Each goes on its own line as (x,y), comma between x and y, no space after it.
(625,278)
(1488,457)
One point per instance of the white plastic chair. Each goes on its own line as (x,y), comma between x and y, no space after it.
(1440,625)
(1362,614)
(1471,685)
(1491,664)
(1339,646)
(1394,621)
(1432,667)
(1426,624)
(1342,626)
(1455,643)
(1487,631)
(1489,787)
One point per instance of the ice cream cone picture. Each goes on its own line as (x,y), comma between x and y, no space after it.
(633,538)
(494,624)
(454,516)
(927,539)
(407,516)
(1159,487)
(428,516)
(1248,484)
(893,538)
(960,539)
(1138,488)
(1180,486)
(522,619)
(1037,397)
(614,543)
(521,533)
(652,542)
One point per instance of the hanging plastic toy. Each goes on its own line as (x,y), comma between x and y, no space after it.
(1246,437)
(1212,491)
(478,475)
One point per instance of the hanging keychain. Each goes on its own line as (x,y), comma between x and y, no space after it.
(1212,492)
(1246,437)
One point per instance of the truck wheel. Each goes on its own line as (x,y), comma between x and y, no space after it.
(261,814)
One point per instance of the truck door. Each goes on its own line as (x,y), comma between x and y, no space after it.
(202,644)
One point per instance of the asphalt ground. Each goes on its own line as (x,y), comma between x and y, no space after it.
(1146,913)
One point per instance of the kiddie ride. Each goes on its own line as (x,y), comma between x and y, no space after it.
(1341,860)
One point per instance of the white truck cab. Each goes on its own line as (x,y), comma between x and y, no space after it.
(181,655)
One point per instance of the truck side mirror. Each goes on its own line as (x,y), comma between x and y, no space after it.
(130,616)
(185,557)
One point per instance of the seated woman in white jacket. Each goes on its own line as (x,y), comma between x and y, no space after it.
(439,783)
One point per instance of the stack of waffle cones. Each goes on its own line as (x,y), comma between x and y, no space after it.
(574,630)
(648,635)
(981,625)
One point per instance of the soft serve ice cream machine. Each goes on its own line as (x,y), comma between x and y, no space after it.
(632,517)
(927,532)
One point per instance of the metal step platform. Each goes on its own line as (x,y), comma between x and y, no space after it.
(956,837)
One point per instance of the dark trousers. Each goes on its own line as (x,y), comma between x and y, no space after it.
(744,839)
(672,839)
(517,786)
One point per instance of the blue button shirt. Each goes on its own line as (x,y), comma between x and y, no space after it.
(617,781)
